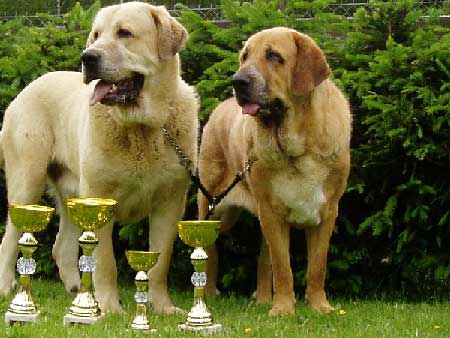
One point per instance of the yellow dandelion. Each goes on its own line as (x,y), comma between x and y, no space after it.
(342,312)
(247,330)
(437,327)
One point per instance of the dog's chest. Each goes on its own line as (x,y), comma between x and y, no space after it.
(142,155)
(133,168)
(300,187)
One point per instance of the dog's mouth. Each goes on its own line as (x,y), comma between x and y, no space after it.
(124,92)
(273,109)
(251,108)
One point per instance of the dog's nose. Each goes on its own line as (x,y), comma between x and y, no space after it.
(241,82)
(90,58)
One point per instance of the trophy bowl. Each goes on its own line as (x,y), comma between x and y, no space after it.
(141,260)
(30,217)
(90,213)
(198,233)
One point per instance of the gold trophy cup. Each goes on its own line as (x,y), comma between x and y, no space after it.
(28,218)
(89,214)
(199,234)
(141,261)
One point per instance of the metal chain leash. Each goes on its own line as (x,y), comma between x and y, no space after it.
(186,162)
(182,157)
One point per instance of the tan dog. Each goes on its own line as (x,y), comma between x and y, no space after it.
(103,139)
(296,124)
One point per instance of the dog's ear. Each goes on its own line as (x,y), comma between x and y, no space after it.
(171,35)
(311,67)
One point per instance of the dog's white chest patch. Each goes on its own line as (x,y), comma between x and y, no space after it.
(302,193)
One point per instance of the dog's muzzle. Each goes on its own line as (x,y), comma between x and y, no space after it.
(251,94)
(124,91)
(90,60)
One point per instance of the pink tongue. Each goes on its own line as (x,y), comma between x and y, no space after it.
(101,89)
(250,108)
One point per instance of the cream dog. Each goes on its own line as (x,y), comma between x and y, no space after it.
(296,124)
(102,138)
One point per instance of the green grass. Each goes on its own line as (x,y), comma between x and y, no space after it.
(242,318)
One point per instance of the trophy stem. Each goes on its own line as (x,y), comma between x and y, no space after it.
(85,309)
(22,307)
(199,318)
(140,321)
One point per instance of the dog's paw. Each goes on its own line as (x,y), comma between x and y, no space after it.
(71,281)
(109,304)
(283,305)
(7,285)
(319,302)
(322,307)
(282,310)
(112,308)
(74,289)
(168,309)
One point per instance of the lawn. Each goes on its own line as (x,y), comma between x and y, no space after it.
(242,318)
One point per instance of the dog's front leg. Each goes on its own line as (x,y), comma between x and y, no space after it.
(168,210)
(318,240)
(8,256)
(65,250)
(276,233)
(105,275)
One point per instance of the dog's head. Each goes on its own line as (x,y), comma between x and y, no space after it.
(127,43)
(276,65)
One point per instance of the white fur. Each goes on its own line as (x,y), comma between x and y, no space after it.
(302,195)
(105,151)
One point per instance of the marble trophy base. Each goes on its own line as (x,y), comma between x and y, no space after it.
(69,318)
(11,317)
(210,329)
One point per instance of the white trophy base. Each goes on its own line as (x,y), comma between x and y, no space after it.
(68,318)
(16,317)
(214,328)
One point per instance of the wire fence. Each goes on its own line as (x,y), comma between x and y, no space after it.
(348,8)
(213,12)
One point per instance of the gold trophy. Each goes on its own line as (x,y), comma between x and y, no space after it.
(28,218)
(141,261)
(199,234)
(89,214)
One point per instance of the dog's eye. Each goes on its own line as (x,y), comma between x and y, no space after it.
(95,36)
(274,56)
(245,55)
(124,33)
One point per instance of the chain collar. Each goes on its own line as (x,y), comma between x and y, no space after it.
(186,162)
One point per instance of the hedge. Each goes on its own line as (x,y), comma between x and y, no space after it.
(393,62)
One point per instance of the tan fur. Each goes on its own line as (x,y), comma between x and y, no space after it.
(50,133)
(301,166)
